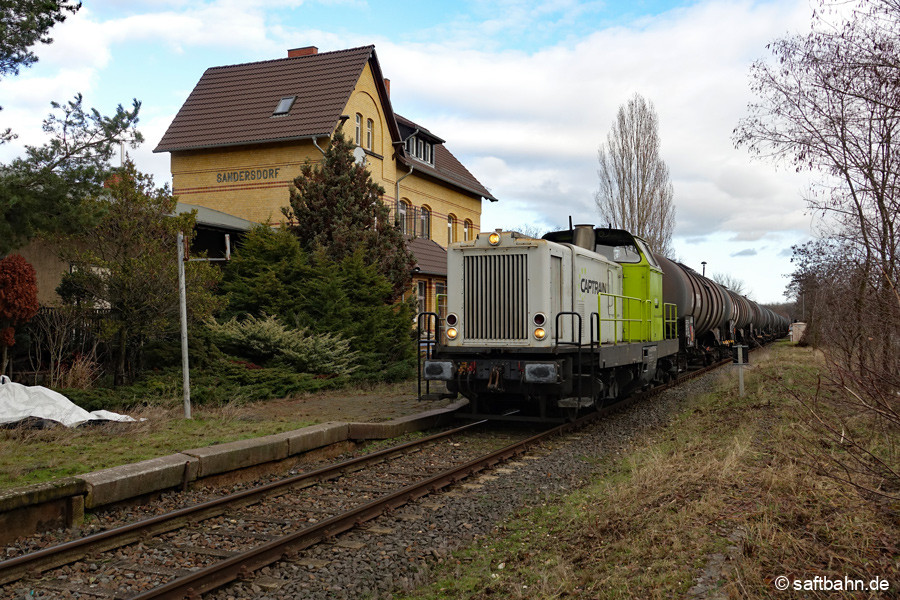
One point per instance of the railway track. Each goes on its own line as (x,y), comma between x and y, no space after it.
(193,550)
(161,557)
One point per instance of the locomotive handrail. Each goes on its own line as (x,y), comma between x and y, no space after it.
(644,319)
(429,342)
(578,345)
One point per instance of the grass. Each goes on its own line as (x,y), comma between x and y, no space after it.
(732,493)
(35,455)
(30,455)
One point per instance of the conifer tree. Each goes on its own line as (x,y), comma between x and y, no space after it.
(337,207)
(271,275)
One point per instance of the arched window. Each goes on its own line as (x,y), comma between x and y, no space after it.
(403,212)
(451,227)
(425,222)
(358,136)
(370,133)
(467,230)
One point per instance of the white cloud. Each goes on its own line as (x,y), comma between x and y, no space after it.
(526,120)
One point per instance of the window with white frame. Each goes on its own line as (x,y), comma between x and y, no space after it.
(451,225)
(402,216)
(425,222)
(420,149)
(358,137)
(422,295)
(370,133)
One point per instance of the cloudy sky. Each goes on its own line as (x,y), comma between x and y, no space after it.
(523,91)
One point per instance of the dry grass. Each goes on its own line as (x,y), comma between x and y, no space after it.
(717,504)
(29,455)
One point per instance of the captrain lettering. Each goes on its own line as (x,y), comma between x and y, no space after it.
(589,286)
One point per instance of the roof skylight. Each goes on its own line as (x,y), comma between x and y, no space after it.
(284,105)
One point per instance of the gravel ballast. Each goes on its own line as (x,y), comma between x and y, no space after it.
(396,552)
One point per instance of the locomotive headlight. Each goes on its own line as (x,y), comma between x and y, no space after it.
(540,333)
(494,239)
(452,332)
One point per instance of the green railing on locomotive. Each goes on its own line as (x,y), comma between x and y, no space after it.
(642,323)
(670,321)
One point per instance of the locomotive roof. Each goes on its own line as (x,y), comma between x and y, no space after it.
(602,237)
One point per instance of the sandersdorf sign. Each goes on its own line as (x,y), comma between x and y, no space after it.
(242,175)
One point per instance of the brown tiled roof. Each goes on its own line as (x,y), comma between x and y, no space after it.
(431,258)
(233,105)
(446,167)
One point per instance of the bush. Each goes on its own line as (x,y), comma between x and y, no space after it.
(223,381)
(267,339)
(271,274)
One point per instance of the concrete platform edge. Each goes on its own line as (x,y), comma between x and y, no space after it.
(71,495)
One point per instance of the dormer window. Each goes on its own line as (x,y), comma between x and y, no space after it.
(420,149)
(284,106)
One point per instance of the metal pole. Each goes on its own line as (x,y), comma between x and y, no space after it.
(185,369)
(740,357)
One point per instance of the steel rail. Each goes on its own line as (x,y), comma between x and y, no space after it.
(191,586)
(34,563)
(240,566)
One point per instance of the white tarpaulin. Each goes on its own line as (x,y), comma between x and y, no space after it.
(18,402)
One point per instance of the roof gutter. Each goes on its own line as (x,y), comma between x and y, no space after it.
(397,193)
(315,141)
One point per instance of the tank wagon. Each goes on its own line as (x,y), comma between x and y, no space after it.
(546,327)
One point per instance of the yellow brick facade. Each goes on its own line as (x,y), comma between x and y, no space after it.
(252,182)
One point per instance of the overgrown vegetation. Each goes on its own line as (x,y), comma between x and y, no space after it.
(829,104)
(268,340)
(18,301)
(723,500)
(336,206)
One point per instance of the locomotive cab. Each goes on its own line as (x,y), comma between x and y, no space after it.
(643,313)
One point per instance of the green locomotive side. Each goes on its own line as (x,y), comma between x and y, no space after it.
(643,302)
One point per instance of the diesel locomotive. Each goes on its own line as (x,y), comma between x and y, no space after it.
(545,328)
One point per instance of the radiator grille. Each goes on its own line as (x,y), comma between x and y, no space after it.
(496,297)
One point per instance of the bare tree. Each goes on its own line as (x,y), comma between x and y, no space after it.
(733,283)
(829,103)
(635,191)
(530,229)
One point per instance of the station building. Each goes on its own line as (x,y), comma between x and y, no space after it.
(245,131)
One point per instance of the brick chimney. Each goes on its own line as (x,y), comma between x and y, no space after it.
(387,86)
(304,51)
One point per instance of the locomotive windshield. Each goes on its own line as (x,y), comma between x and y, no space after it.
(625,253)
